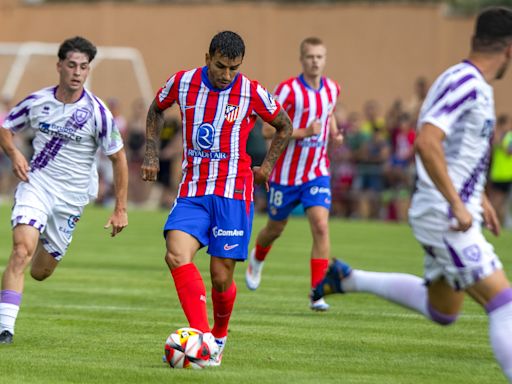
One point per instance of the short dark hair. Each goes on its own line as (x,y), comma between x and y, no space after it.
(493,30)
(229,44)
(77,44)
(310,41)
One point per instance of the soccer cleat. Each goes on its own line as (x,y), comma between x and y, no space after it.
(319,305)
(253,272)
(6,337)
(332,282)
(216,358)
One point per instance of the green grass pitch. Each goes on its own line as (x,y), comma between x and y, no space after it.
(104,315)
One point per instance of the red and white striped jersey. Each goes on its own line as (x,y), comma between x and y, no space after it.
(216,125)
(305,159)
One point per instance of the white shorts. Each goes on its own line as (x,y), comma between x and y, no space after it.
(53,218)
(462,258)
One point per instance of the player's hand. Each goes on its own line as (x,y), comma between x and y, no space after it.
(463,217)
(337,139)
(20,166)
(492,223)
(118,220)
(261,177)
(149,168)
(314,128)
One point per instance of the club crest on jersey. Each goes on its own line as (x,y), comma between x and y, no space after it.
(231,112)
(81,115)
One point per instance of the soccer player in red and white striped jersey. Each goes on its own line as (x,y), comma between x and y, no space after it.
(214,207)
(301,175)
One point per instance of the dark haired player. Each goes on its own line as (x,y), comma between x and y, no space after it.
(214,207)
(449,207)
(70,124)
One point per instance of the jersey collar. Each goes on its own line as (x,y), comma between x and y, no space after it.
(303,81)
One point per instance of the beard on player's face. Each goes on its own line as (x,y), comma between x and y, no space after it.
(222,70)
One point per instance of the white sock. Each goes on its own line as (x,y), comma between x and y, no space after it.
(500,333)
(8,315)
(404,289)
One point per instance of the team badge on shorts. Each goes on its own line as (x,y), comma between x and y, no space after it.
(72,221)
(231,112)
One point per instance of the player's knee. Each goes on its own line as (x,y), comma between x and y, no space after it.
(441,318)
(221,281)
(40,274)
(320,228)
(20,257)
(174,260)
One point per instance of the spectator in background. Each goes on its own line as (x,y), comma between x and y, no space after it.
(170,151)
(257,149)
(138,190)
(106,193)
(343,168)
(413,105)
(400,172)
(372,119)
(500,176)
(374,156)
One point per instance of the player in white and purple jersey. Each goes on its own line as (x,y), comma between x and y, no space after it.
(214,207)
(301,175)
(449,206)
(70,124)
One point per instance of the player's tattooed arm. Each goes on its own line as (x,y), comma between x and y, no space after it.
(154,124)
(280,140)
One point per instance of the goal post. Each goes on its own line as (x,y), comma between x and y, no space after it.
(24,52)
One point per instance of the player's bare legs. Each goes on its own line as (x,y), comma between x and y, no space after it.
(25,239)
(271,232)
(266,237)
(319,224)
(444,299)
(43,264)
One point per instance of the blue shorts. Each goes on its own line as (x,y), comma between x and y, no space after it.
(224,225)
(283,199)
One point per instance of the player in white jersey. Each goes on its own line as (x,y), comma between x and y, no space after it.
(449,206)
(70,125)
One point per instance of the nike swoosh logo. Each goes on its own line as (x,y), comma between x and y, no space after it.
(188,107)
(228,247)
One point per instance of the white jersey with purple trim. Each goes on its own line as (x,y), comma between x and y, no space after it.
(67,137)
(461,103)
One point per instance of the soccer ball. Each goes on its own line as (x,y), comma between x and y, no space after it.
(188,348)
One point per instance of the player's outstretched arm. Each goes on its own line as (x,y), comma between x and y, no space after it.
(119,218)
(429,146)
(20,166)
(280,140)
(154,124)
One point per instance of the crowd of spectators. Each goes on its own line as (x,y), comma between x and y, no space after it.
(372,172)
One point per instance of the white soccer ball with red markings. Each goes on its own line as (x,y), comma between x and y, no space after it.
(188,348)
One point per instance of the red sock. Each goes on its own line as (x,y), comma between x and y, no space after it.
(192,294)
(318,269)
(223,303)
(261,252)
